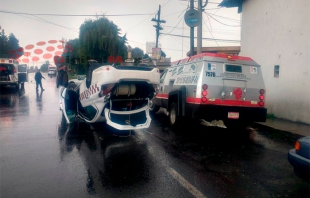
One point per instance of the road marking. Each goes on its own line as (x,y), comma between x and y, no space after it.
(185,183)
(195,192)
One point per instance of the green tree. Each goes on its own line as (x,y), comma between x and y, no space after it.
(3,44)
(44,67)
(137,52)
(146,56)
(8,43)
(13,42)
(163,54)
(101,38)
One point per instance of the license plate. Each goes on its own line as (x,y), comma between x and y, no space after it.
(233,115)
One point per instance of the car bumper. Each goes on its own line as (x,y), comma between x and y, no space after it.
(300,164)
(128,120)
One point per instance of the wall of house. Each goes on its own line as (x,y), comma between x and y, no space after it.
(277,32)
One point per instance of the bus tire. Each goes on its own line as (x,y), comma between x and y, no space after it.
(174,118)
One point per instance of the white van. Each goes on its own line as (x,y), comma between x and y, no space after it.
(13,74)
(213,87)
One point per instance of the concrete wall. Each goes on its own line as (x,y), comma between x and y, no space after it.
(277,32)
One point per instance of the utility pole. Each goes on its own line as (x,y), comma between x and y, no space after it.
(191,32)
(199,28)
(157,26)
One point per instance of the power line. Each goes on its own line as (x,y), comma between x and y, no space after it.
(230,19)
(219,40)
(210,31)
(208,2)
(161,48)
(174,13)
(213,30)
(177,23)
(141,21)
(166,3)
(221,22)
(222,32)
(45,21)
(71,15)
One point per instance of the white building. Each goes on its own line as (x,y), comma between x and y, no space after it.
(276,34)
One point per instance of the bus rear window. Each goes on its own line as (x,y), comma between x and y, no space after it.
(233,68)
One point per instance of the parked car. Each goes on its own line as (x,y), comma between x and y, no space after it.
(299,158)
(12,73)
(51,73)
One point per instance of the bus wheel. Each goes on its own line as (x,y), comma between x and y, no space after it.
(174,118)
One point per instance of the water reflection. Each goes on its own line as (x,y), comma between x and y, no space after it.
(39,99)
(113,163)
(21,92)
(39,95)
(13,100)
(7,100)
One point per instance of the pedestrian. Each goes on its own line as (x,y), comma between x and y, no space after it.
(62,77)
(38,77)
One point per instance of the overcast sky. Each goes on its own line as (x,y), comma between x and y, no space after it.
(222,23)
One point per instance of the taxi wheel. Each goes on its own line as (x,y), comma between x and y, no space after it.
(174,118)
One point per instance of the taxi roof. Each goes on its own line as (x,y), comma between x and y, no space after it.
(215,57)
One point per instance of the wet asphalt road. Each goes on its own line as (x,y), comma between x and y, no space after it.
(41,156)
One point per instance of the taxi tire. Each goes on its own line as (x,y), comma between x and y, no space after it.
(174,118)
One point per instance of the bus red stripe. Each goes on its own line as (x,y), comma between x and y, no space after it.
(222,102)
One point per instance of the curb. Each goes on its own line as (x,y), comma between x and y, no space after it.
(275,133)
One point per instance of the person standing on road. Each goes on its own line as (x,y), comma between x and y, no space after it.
(62,77)
(38,77)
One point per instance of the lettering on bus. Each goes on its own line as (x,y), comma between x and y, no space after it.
(232,75)
(186,80)
(210,74)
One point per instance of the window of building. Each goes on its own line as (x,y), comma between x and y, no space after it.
(276,71)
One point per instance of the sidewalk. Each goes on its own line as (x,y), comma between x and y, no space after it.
(286,125)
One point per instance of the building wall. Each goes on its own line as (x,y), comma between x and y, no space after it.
(277,32)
